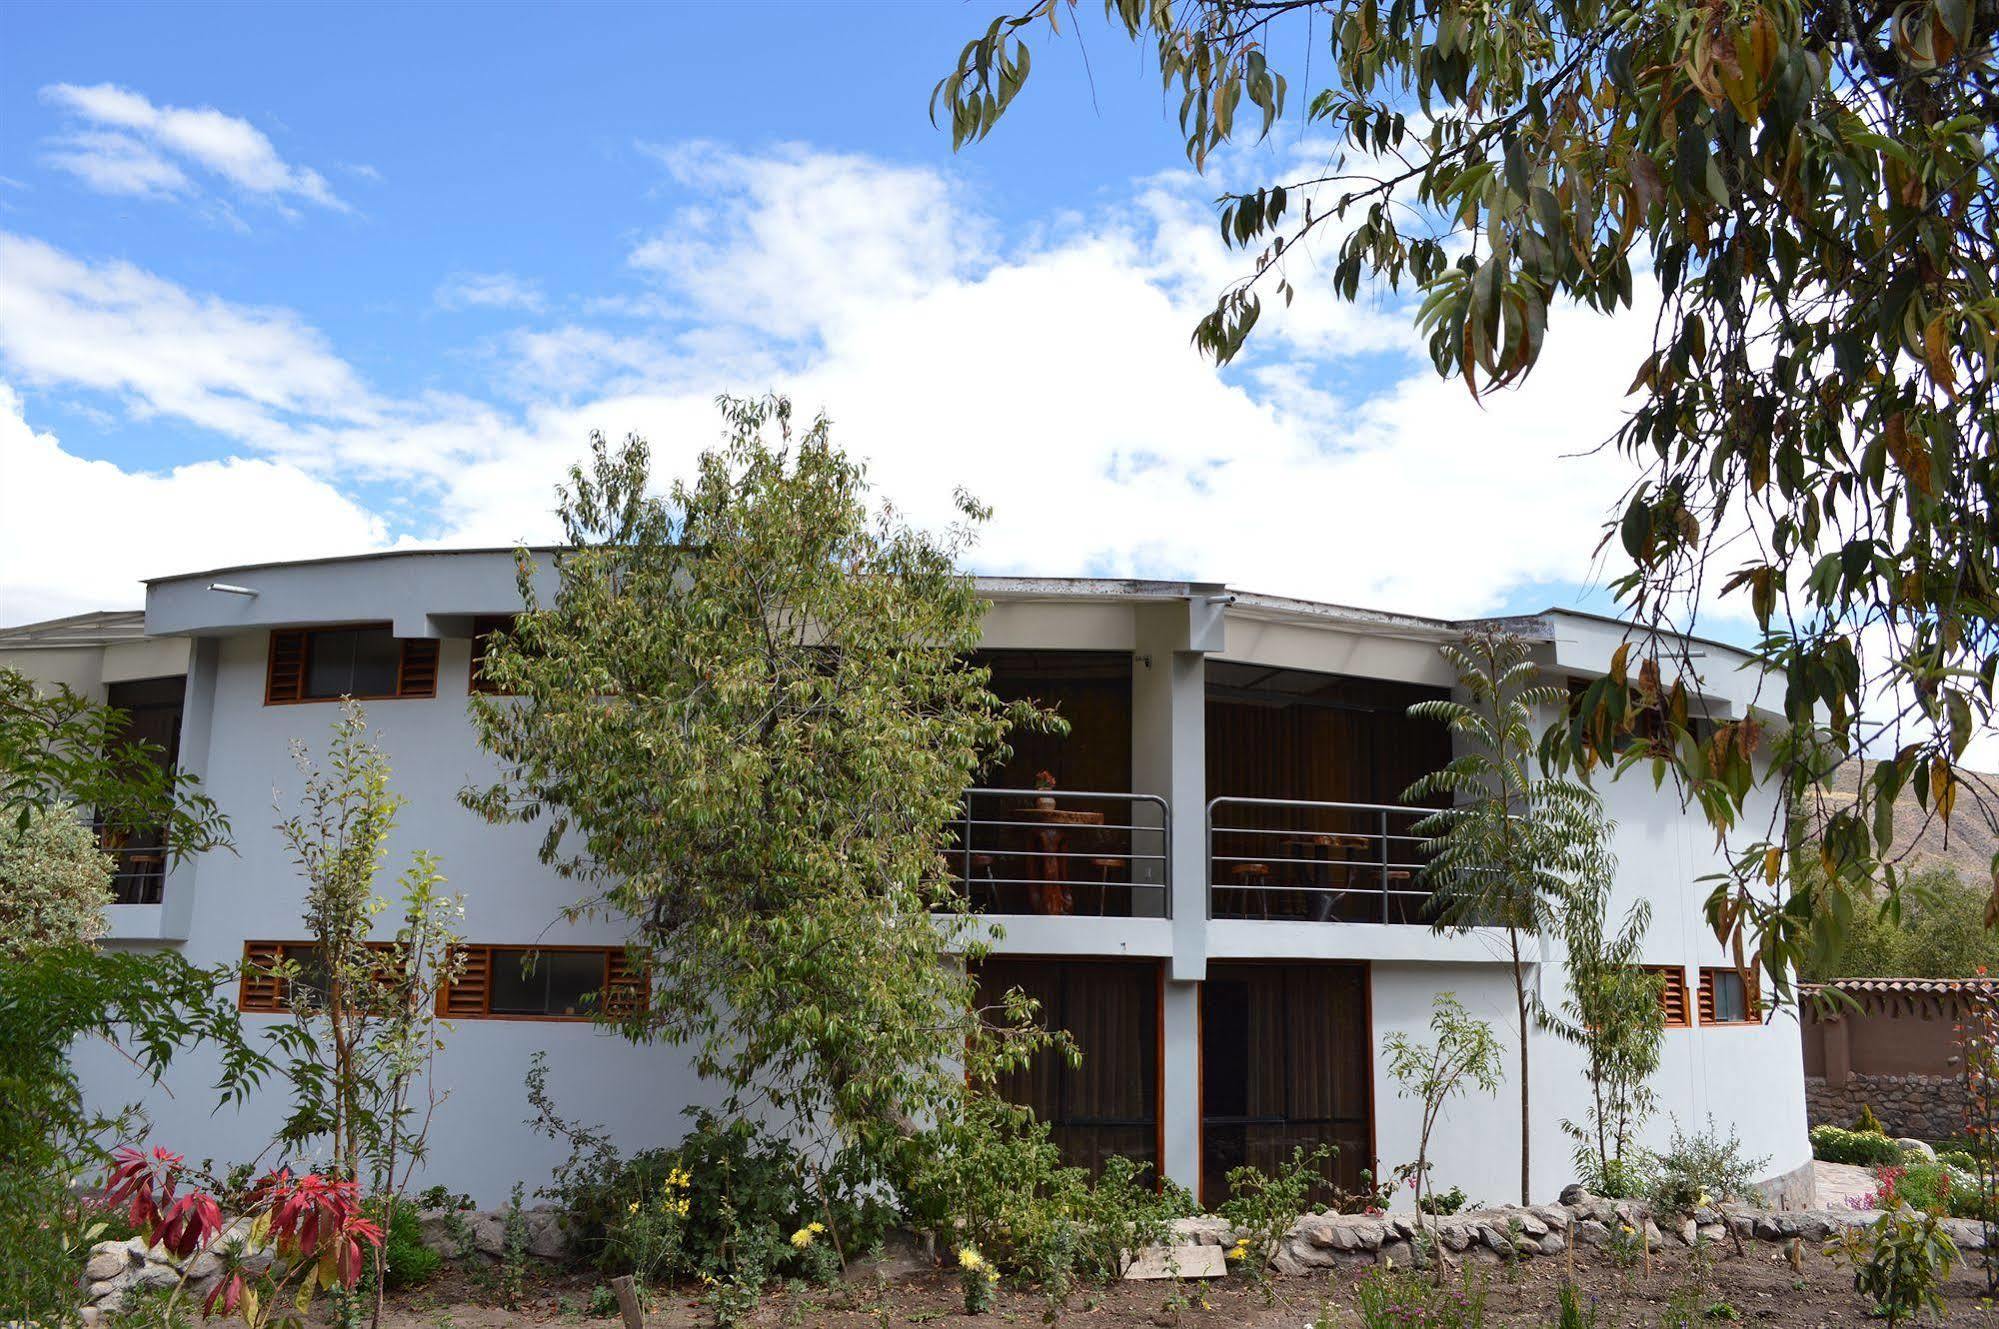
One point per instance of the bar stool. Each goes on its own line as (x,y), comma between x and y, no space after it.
(1249,877)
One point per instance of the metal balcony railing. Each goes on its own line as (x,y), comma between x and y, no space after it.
(141,874)
(1063,851)
(1296,859)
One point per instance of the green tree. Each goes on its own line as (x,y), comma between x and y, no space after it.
(1935,928)
(59,747)
(745,717)
(55,883)
(1799,200)
(1611,1011)
(1462,1054)
(1511,842)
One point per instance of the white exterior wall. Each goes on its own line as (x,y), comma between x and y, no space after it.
(1750,1079)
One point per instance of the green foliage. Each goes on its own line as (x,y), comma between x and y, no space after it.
(1611,1011)
(1795,202)
(58,748)
(1444,1203)
(704,718)
(365,1013)
(991,1179)
(1866,1148)
(1509,844)
(514,1253)
(1868,1123)
(729,1202)
(403,1258)
(1900,1263)
(55,883)
(977,1280)
(1934,928)
(150,1006)
(603,1302)
(1574,1311)
(1387,1298)
(1462,1054)
(1262,1207)
(1701,1169)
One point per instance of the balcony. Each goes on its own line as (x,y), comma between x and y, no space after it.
(1300,860)
(141,871)
(1066,852)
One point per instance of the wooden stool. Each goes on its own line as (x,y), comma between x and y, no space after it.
(1248,877)
(1104,868)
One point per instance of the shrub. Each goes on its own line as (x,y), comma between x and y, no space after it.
(1262,1207)
(990,1179)
(1867,1123)
(405,1261)
(1702,1169)
(1958,1159)
(1449,1202)
(1900,1262)
(1865,1148)
(55,883)
(1389,1298)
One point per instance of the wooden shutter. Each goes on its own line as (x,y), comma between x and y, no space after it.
(626,988)
(470,991)
(1707,996)
(1673,994)
(418,675)
(262,989)
(284,679)
(1752,1006)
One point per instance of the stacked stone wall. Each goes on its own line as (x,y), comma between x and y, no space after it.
(1927,1107)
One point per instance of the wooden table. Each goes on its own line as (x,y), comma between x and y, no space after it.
(1320,849)
(1047,864)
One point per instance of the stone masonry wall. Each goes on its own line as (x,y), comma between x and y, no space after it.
(1928,1107)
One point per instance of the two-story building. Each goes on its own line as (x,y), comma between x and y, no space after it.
(1210,881)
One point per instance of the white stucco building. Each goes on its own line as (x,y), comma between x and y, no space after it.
(1216,895)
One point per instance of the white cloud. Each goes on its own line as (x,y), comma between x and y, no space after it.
(124,144)
(78,535)
(488,290)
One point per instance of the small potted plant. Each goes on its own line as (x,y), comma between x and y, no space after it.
(1044,784)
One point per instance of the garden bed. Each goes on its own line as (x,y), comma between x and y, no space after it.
(1759,1287)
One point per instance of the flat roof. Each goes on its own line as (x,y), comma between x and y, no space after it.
(99,627)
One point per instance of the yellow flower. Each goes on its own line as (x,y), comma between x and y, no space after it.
(1702,1200)
(632,1208)
(815,1228)
(801,1238)
(680,1208)
(970,1259)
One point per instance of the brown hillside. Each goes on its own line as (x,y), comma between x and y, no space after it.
(1966,844)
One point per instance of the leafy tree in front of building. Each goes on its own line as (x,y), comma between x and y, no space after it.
(1462,1054)
(1799,204)
(744,717)
(58,993)
(1505,850)
(1611,1011)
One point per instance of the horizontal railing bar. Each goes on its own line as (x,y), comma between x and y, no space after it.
(1372,837)
(1370,892)
(1371,864)
(1065,853)
(984,791)
(1402,809)
(1084,826)
(982,882)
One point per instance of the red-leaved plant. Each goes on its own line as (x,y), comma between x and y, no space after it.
(313,1224)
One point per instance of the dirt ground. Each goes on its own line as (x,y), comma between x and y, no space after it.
(1756,1288)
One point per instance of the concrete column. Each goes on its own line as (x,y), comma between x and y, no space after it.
(197,728)
(1180,1108)
(1169,758)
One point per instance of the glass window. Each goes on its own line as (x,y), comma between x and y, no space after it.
(527,982)
(307,989)
(352,662)
(1731,1001)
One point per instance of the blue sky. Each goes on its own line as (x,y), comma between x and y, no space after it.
(292,280)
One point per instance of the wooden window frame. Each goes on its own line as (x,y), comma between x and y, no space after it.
(1752,998)
(470,995)
(262,992)
(1673,996)
(290,653)
(483,627)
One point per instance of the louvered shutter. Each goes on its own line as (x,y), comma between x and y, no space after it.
(262,989)
(418,674)
(1707,996)
(1673,996)
(284,679)
(471,990)
(626,987)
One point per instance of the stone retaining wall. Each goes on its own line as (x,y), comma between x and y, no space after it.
(1928,1107)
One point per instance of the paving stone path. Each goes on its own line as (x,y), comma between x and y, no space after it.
(1835,1182)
